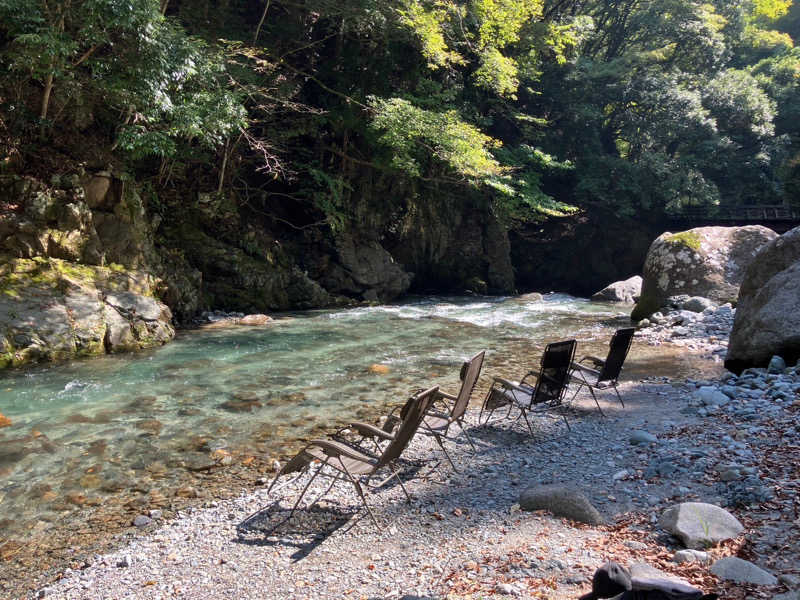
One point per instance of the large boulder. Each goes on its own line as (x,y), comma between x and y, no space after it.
(706,261)
(628,291)
(699,525)
(767,319)
(52,309)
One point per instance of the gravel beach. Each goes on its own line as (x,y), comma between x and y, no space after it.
(464,535)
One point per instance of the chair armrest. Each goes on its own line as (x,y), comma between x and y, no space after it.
(368,430)
(337,449)
(506,383)
(584,369)
(531,373)
(598,362)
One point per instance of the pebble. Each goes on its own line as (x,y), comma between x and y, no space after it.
(142,521)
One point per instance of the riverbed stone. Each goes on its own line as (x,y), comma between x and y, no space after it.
(621,291)
(735,569)
(561,501)
(641,437)
(690,556)
(776,365)
(700,525)
(698,304)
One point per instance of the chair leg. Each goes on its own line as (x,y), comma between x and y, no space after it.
(441,445)
(400,481)
(360,491)
(614,385)
(595,401)
(467,435)
(563,416)
(527,422)
(580,387)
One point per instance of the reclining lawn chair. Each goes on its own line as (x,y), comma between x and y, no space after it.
(445,411)
(546,394)
(356,465)
(606,372)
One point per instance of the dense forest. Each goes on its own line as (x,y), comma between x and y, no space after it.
(453,137)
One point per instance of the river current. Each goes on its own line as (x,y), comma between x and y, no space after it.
(104,432)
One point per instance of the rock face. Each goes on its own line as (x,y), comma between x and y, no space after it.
(707,261)
(52,309)
(767,319)
(561,501)
(579,254)
(621,291)
(742,571)
(366,270)
(699,525)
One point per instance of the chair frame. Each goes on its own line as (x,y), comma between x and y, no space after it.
(533,398)
(445,411)
(332,454)
(606,372)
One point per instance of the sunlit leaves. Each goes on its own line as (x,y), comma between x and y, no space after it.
(428,23)
(415,134)
(740,106)
(770,9)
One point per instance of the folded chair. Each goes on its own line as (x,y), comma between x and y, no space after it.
(341,462)
(445,411)
(606,372)
(546,393)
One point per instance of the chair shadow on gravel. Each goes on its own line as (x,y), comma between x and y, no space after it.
(306,530)
(308,527)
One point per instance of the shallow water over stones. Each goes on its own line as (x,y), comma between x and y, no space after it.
(92,444)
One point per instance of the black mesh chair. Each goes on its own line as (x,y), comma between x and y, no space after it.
(546,393)
(605,373)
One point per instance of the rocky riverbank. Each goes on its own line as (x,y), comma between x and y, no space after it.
(731,443)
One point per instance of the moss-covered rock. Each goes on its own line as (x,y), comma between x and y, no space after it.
(52,310)
(707,261)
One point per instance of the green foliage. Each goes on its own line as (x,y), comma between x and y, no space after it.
(519,194)
(123,55)
(416,135)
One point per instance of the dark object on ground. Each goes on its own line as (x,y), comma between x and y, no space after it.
(613,579)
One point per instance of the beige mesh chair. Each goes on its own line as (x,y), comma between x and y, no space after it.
(447,410)
(340,462)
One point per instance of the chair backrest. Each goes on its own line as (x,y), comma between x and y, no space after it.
(469,377)
(414,411)
(617,351)
(554,372)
